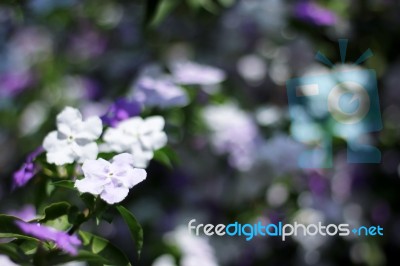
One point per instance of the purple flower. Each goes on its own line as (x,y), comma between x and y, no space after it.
(120,110)
(155,89)
(24,174)
(27,213)
(315,14)
(318,184)
(14,83)
(28,169)
(66,242)
(190,73)
(87,44)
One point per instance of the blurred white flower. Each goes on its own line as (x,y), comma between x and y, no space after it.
(252,68)
(74,139)
(154,88)
(138,136)
(5,261)
(190,73)
(269,115)
(277,194)
(111,180)
(164,260)
(33,117)
(233,132)
(196,251)
(280,152)
(29,46)
(309,216)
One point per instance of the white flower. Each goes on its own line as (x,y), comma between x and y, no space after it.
(6,261)
(190,73)
(74,139)
(164,260)
(111,180)
(196,251)
(138,136)
(155,88)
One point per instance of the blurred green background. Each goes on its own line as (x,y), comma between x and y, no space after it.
(88,53)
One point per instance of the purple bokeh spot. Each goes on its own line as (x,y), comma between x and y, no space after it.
(312,13)
(121,110)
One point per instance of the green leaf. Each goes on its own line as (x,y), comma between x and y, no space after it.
(227,3)
(29,247)
(57,258)
(104,249)
(89,200)
(55,211)
(208,5)
(14,252)
(166,156)
(163,158)
(164,9)
(134,227)
(65,184)
(61,223)
(151,9)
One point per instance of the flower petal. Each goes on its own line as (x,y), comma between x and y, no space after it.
(116,140)
(68,119)
(58,151)
(96,169)
(91,129)
(159,140)
(51,141)
(90,185)
(151,124)
(141,157)
(88,152)
(113,194)
(138,175)
(61,157)
(123,158)
(68,243)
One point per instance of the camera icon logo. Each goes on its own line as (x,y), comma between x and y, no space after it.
(345,101)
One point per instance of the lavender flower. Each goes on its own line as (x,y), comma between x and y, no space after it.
(233,133)
(27,213)
(313,13)
(280,152)
(120,110)
(66,242)
(111,180)
(14,83)
(28,169)
(155,89)
(190,73)
(87,44)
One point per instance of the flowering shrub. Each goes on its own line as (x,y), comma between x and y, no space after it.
(121,121)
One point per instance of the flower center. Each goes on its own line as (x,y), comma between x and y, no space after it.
(70,139)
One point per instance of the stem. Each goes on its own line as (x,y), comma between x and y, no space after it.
(98,207)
